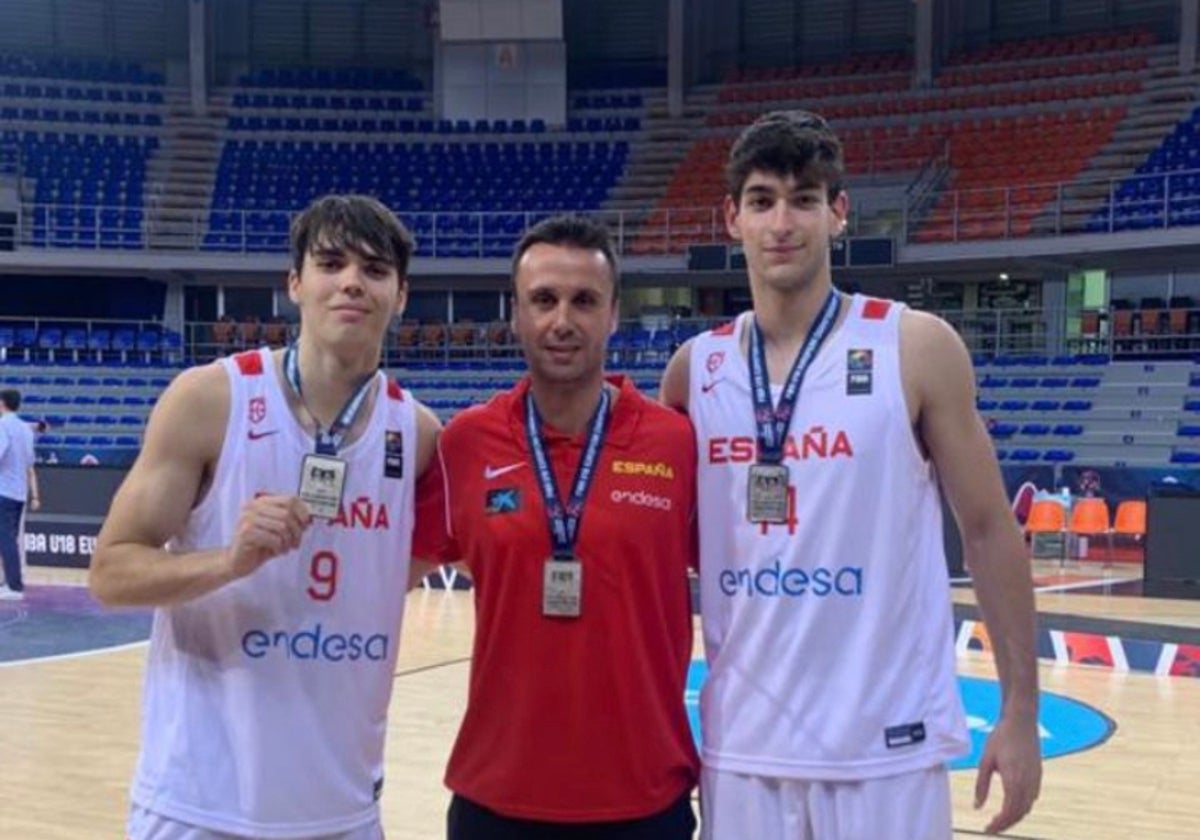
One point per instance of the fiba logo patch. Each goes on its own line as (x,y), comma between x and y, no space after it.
(859,364)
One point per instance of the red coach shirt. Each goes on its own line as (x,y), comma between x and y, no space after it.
(574,719)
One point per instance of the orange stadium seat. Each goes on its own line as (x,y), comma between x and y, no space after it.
(1130,519)
(1047,516)
(1089,518)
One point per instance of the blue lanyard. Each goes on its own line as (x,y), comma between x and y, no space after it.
(328,442)
(564,522)
(772,423)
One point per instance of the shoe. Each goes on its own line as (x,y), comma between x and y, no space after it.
(7,594)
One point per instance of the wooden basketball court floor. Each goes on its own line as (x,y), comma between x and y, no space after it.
(69,733)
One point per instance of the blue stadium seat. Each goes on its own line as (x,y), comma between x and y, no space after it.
(1003,430)
(1068,429)
(1058,455)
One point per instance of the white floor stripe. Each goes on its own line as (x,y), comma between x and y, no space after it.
(1117,650)
(1059,642)
(1166,659)
(76,655)
(962,643)
(1084,584)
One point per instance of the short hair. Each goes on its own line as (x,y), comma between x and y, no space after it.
(11,398)
(357,223)
(572,231)
(787,143)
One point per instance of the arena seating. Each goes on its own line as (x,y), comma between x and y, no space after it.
(987,122)
(82,133)
(1164,189)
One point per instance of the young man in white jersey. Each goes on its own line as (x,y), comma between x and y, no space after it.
(825,425)
(283,486)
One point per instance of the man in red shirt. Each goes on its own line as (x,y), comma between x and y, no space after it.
(570,499)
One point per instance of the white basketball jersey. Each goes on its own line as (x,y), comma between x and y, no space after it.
(828,638)
(266,700)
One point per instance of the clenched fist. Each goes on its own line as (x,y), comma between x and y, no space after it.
(268,527)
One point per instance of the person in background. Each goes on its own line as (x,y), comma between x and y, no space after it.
(18,488)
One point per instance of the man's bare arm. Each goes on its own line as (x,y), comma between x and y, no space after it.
(938,365)
(673,391)
(183,440)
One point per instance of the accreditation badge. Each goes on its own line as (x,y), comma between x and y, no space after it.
(766,493)
(322,483)
(562,588)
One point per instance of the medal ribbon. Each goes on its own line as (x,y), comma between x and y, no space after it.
(564,521)
(772,422)
(328,441)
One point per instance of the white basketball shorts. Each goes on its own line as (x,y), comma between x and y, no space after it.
(910,806)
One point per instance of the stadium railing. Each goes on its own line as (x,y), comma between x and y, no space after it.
(1161,200)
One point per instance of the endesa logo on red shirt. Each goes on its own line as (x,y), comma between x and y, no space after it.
(641,498)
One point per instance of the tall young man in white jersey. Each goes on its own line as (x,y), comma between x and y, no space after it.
(283,487)
(825,424)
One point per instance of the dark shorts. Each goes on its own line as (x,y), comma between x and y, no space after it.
(469,821)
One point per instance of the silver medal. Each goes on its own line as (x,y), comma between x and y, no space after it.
(562,588)
(767,493)
(322,482)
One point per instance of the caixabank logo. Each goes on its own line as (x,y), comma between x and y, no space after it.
(1065,726)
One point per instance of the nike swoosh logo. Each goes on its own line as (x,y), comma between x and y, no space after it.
(708,386)
(253,435)
(495,472)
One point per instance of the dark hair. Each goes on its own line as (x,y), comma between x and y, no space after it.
(571,231)
(356,223)
(11,398)
(783,143)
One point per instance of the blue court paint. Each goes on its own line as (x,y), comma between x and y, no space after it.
(64,620)
(1067,726)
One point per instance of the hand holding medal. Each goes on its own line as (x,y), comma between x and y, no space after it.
(269,526)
